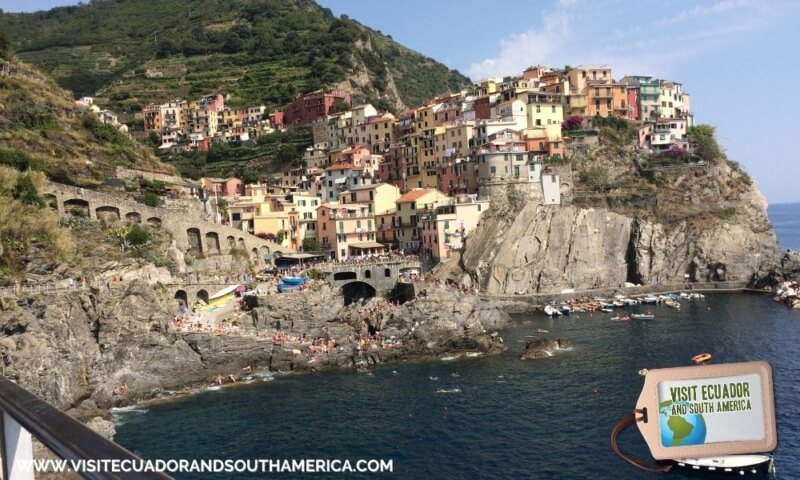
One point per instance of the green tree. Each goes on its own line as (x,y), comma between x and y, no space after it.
(25,191)
(138,236)
(5,46)
(310,245)
(339,106)
(287,153)
(702,139)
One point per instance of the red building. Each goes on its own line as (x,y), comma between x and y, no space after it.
(483,108)
(633,102)
(311,106)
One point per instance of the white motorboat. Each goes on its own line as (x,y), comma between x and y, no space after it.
(730,464)
(551,311)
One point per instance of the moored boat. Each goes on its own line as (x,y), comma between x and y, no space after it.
(650,299)
(294,280)
(551,311)
(672,303)
(643,316)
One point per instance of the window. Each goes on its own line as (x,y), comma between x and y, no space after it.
(341,226)
(538,121)
(387,272)
(554,109)
(516,171)
(358,223)
(236,216)
(538,109)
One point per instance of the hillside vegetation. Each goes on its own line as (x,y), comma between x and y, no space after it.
(42,129)
(260,51)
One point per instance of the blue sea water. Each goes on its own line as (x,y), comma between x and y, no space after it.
(488,417)
(785,219)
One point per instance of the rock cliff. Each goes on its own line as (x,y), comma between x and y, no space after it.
(72,350)
(709,223)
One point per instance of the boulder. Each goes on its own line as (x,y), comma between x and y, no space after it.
(544,347)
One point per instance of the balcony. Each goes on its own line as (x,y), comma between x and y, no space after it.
(346,216)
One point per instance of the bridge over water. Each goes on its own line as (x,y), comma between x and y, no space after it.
(191,232)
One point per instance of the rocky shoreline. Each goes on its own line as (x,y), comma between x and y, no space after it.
(72,350)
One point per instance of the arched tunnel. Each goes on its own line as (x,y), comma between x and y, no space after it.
(356,291)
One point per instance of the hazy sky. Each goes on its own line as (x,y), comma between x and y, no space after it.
(737,58)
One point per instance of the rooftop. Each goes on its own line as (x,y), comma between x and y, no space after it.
(413,195)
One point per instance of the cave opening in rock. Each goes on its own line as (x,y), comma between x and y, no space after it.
(182,298)
(357,291)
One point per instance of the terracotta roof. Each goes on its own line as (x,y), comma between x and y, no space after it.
(414,195)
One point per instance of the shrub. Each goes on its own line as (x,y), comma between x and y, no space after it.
(727,213)
(572,123)
(151,199)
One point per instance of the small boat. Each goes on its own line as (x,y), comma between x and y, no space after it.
(643,316)
(618,303)
(551,311)
(621,318)
(672,304)
(542,330)
(701,358)
(732,464)
(294,280)
(650,299)
(565,309)
(607,310)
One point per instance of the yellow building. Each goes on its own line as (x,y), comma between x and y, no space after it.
(303,224)
(272,218)
(380,133)
(545,110)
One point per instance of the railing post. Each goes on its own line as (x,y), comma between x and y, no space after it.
(17,451)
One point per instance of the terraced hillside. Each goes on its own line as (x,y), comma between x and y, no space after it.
(131,52)
(41,128)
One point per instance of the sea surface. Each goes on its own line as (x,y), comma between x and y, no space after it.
(487,417)
(785,219)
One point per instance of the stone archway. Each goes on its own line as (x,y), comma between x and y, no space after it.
(195,245)
(254,253)
(231,241)
(356,291)
(50,200)
(202,295)
(133,217)
(154,222)
(77,207)
(107,213)
(182,298)
(241,243)
(212,243)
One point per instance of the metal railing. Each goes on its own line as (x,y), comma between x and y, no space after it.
(25,415)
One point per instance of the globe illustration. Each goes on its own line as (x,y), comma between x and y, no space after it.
(681,430)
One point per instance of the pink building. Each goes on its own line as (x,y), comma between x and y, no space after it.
(276,119)
(311,106)
(224,187)
(633,102)
(357,155)
(215,103)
